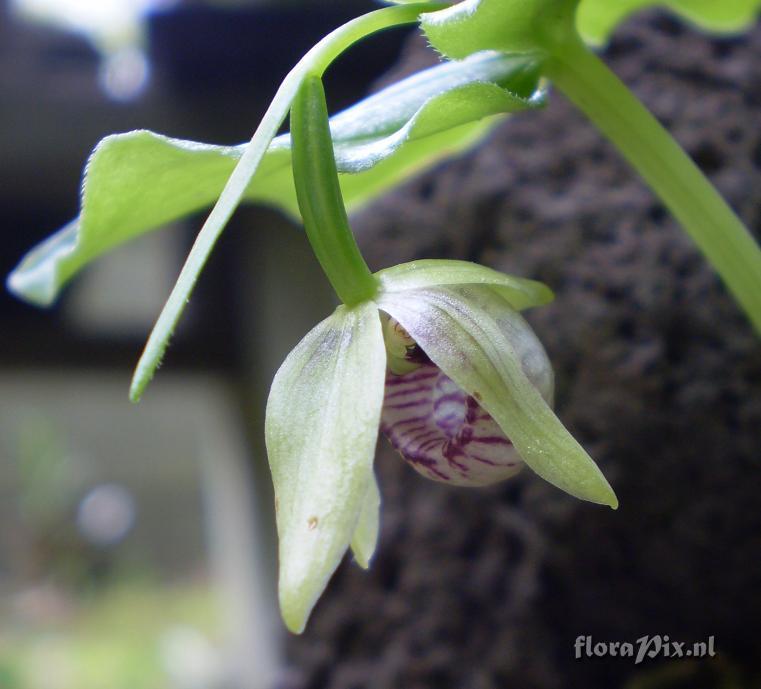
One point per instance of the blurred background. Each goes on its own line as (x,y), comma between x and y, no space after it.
(137,542)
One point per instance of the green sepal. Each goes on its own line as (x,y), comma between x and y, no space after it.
(321,428)
(520,293)
(456,328)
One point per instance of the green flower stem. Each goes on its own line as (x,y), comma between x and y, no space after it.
(320,57)
(715,228)
(319,195)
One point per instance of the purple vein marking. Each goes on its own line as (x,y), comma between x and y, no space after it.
(405,405)
(411,377)
(490,440)
(410,391)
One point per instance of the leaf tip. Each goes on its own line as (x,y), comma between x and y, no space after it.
(140,379)
(605,495)
(135,392)
(545,295)
(295,621)
(361,559)
(33,286)
(296,603)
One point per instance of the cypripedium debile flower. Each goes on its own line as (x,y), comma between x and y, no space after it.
(474,408)
(434,352)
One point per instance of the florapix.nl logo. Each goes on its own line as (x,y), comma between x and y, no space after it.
(650,646)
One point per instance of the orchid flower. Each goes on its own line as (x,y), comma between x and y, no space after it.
(434,352)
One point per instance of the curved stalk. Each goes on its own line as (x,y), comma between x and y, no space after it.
(682,187)
(319,195)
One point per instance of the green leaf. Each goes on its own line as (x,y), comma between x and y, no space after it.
(229,198)
(138,181)
(597,19)
(531,27)
(413,157)
(457,329)
(392,108)
(133,182)
(448,110)
(525,26)
(520,293)
(321,429)
(365,537)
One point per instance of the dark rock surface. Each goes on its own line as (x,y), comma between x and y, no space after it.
(659,377)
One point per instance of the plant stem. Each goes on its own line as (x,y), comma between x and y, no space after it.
(682,187)
(319,195)
(315,61)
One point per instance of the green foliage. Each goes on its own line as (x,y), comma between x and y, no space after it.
(510,26)
(115,639)
(521,26)
(139,181)
(546,30)
(525,26)
(597,19)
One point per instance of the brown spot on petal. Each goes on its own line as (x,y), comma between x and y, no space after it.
(312,523)
(477,396)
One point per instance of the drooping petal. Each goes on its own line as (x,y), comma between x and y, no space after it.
(365,537)
(460,329)
(321,429)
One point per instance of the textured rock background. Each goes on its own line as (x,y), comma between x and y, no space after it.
(658,376)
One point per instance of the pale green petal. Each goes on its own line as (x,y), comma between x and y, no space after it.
(366,534)
(521,293)
(456,329)
(321,429)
